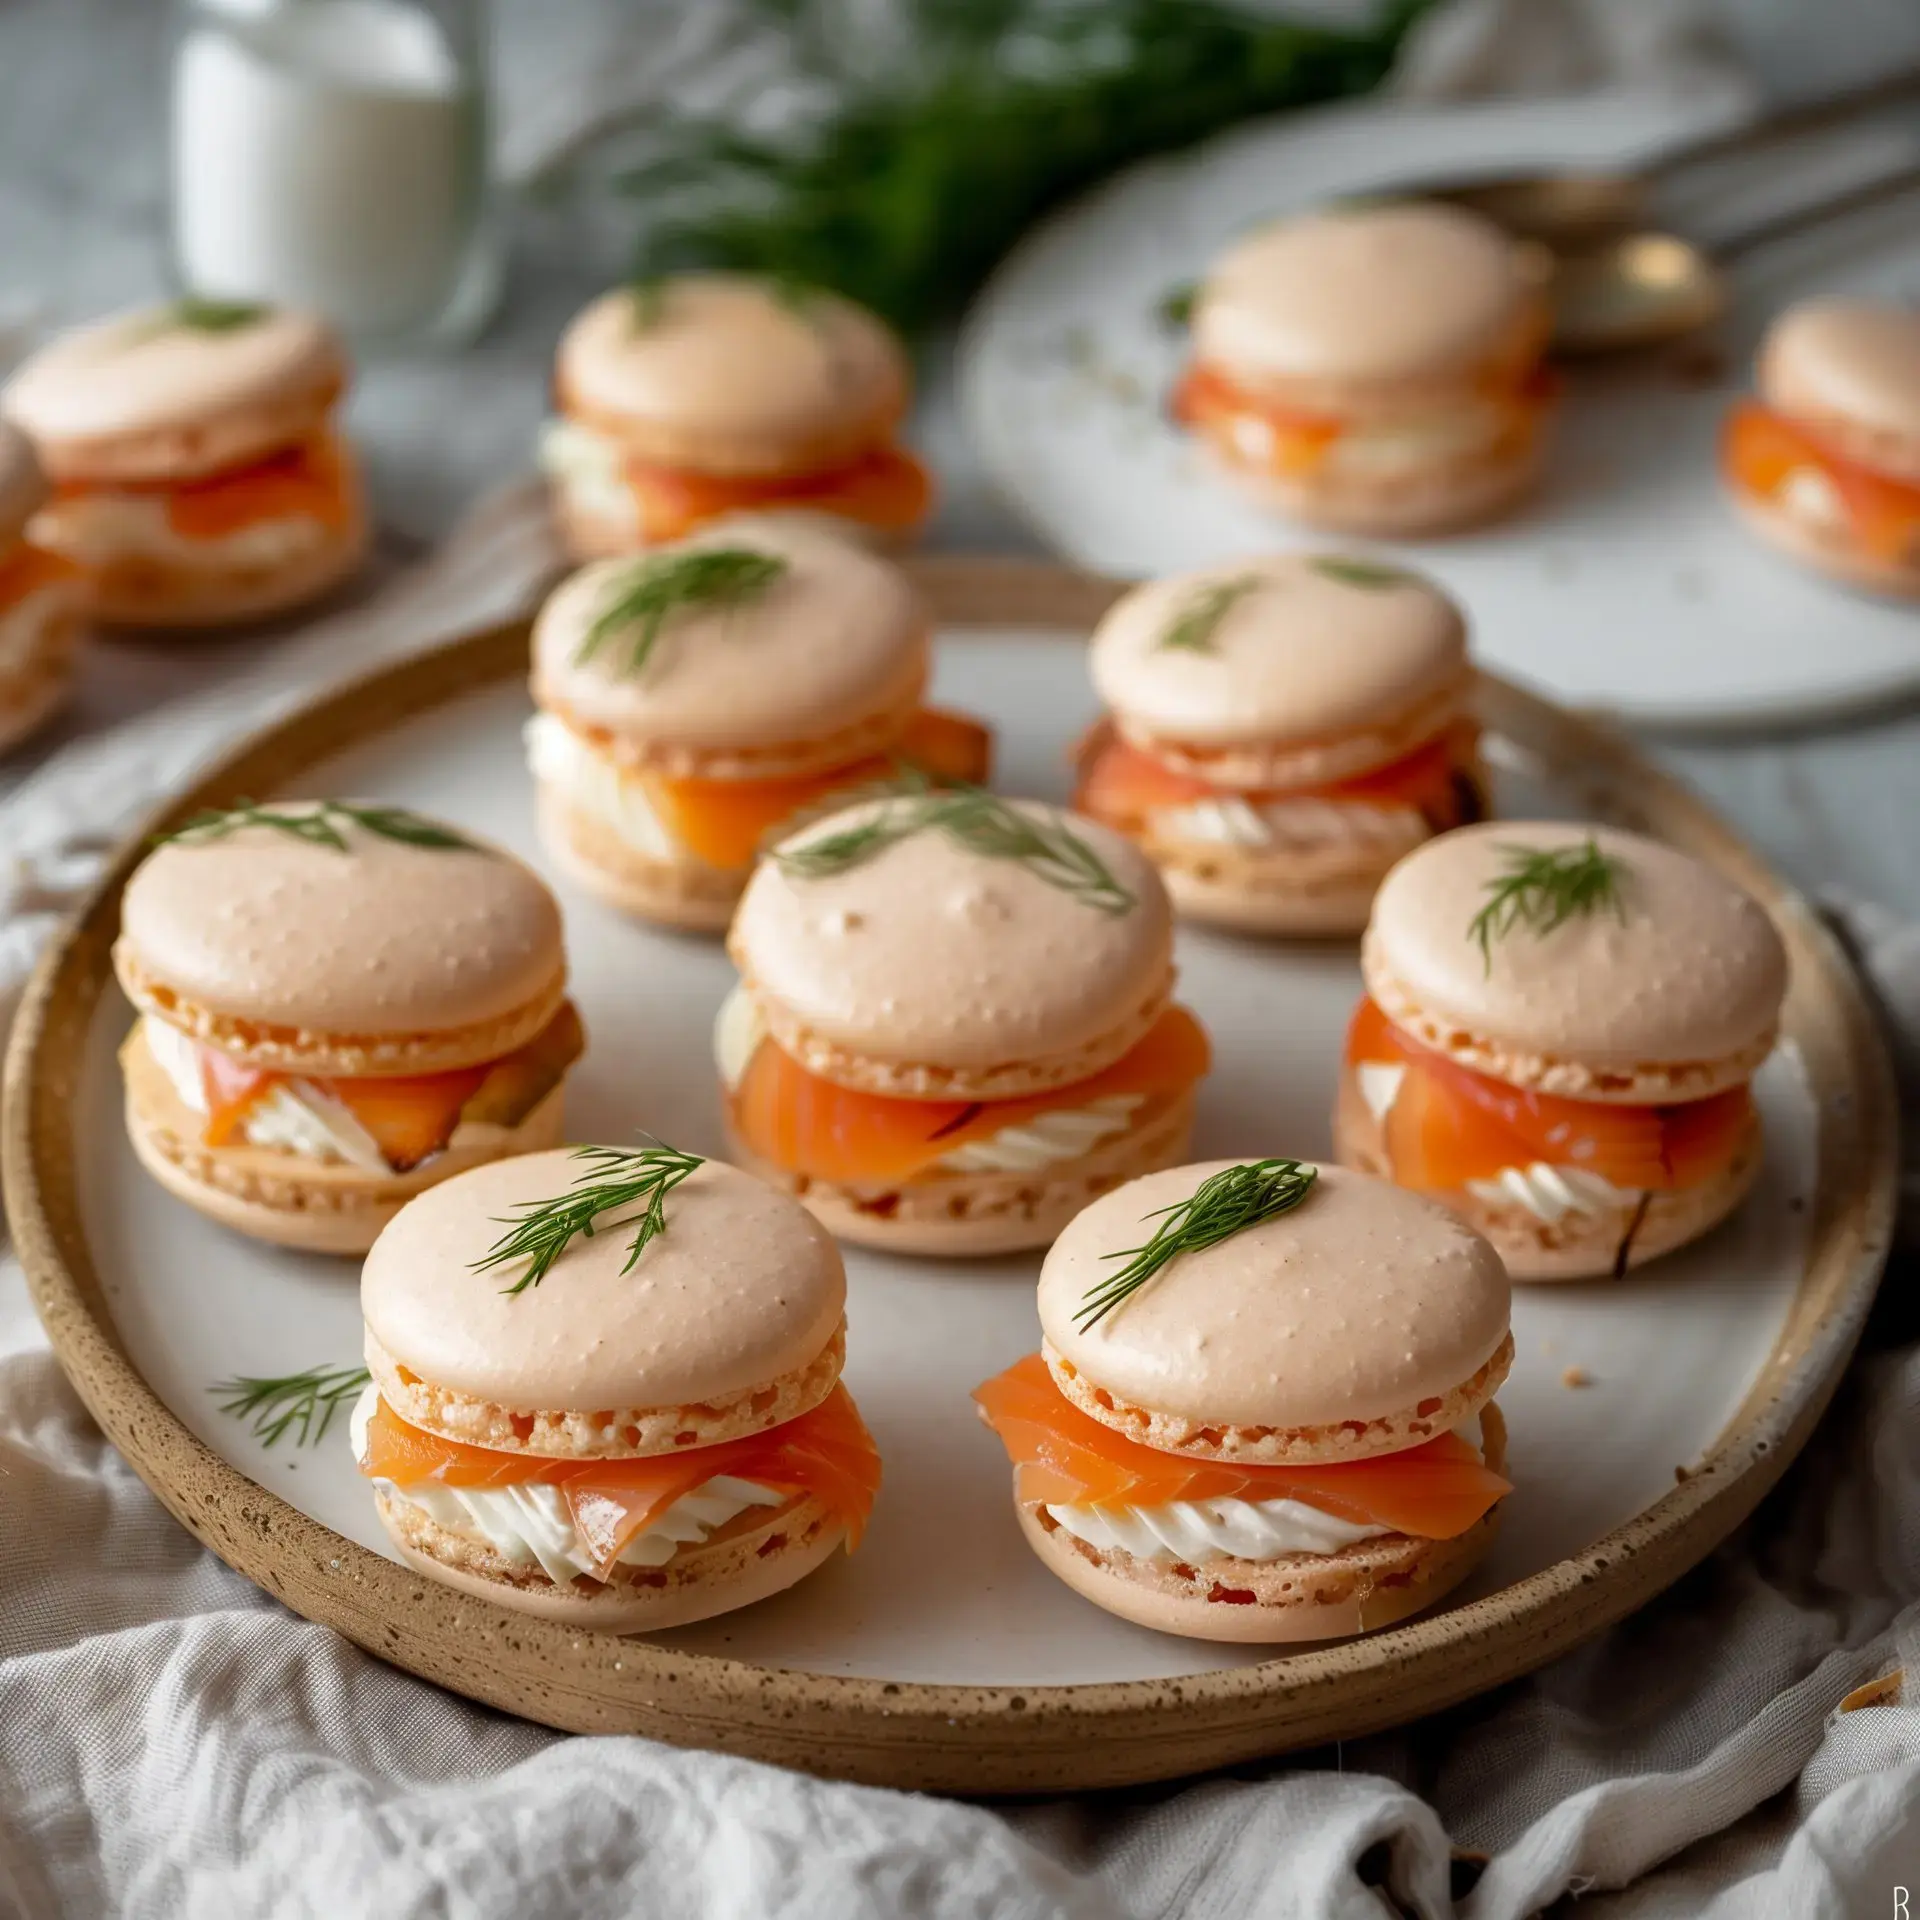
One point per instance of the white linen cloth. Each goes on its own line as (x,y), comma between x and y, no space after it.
(174,1743)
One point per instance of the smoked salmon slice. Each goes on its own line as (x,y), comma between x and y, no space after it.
(1121,783)
(725,822)
(1293,442)
(29,568)
(886,489)
(827,1452)
(1063,1457)
(305,482)
(1760,448)
(1449,1124)
(797,1121)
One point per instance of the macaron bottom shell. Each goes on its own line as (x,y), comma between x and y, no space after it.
(1828,550)
(757,1557)
(1226,887)
(685,894)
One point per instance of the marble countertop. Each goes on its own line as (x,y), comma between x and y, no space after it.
(82,192)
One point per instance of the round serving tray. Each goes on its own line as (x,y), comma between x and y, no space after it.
(101,1267)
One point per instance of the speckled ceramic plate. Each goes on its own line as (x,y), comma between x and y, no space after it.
(1647,1416)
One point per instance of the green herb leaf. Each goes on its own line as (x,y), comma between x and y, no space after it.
(1361,573)
(1544,888)
(1200,614)
(211,316)
(981,822)
(542,1230)
(303,1403)
(1225,1203)
(318,823)
(654,589)
(647,301)
(1176,306)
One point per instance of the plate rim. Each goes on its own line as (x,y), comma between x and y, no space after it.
(944,1736)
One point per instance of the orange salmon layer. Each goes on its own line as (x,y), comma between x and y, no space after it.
(725,822)
(410,1116)
(310,481)
(1760,450)
(1449,1124)
(1063,1457)
(1295,444)
(1122,784)
(26,569)
(806,1125)
(885,489)
(827,1452)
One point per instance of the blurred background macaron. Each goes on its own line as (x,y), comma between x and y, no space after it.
(1825,461)
(41,597)
(697,700)
(683,400)
(627,1424)
(1263,1406)
(1374,369)
(199,474)
(955,1024)
(1561,1027)
(1281,730)
(340,1004)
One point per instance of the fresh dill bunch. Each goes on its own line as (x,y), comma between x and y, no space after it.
(301,1403)
(1225,1203)
(981,822)
(539,1232)
(1200,614)
(1543,888)
(319,824)
(654,589)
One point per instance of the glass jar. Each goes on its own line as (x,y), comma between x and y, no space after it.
(332,154)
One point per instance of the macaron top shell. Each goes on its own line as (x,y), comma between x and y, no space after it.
(1306,646)
(380,938)
(23,486)
(730,359)
(1847,360)
(929,953)
(742,1287)
(1688,969)
(1357,1304)
(145,373)
(1388,293)
(836,637)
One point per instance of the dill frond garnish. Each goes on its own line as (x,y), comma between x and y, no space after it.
(319,824)
(653,590)
(299,1403)
(1200,614)
(1544,888)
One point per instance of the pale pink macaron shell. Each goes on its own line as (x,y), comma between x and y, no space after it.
(743,1287)
(839,637)
(23,485)
(1403,292)
(1850,362)
(382,939)
(1309,655)
(1690,970)
(929,954)
(1359,1304)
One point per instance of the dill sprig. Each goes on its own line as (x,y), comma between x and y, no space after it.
(210,316)
(304,1403)
(318,824)
(1222,1205)
(1543,888)
(653,590)
(539,1232)
(1202,611)
(1352,572)
(973,818)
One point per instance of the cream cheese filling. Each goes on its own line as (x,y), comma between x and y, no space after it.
(99,529)
(531,1524)
(1546,1191)
(1807,494)
(591,470)
(597,786)
(1046,1140)
(1233,820)
(1386,449)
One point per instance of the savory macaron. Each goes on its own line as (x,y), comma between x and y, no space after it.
(954,1024)
(682,400)
(1281,730)
(606,1388)
(1825,462)
(1375,369)
(199,476)
(340,1004)
(40,600)
(696,700)
(1560,1028)
(1263,1405)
